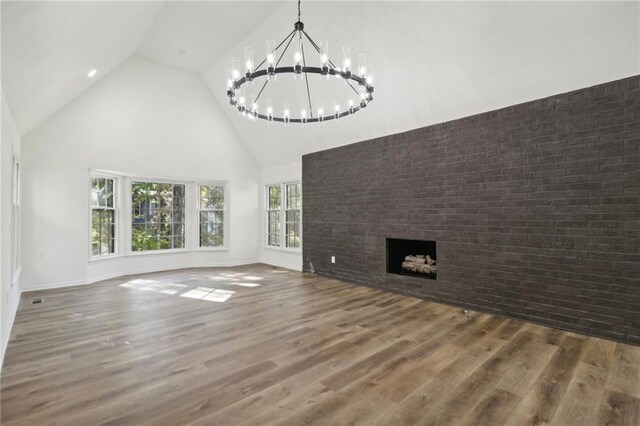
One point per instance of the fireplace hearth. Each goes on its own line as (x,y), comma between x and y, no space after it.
(416,258)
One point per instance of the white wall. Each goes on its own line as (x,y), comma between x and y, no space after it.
(291,172)
(10,286)
(144,118)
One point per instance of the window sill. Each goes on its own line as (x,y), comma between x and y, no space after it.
(283,249)
(154,253)
(93,259)
(211,249)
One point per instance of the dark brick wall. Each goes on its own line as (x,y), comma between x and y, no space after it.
(535,209)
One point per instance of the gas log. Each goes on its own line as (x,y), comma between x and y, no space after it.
(419,264)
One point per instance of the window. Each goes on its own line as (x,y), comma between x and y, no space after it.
(284,203)
(293,204)
(15,222)
(274,217)
(103,216)
(211,208)
(157,216)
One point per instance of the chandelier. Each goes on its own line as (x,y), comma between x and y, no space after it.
(359,81)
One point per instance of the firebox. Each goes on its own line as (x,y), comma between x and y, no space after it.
(417,258)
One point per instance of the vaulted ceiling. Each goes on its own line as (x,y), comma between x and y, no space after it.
(49,47)
(433,61)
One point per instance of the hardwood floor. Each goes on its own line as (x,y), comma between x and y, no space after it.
(261,345)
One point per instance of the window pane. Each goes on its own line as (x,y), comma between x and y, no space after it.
(292,229)
(273,228)
(212,197)
(274,196)
(157,216)
(293,198)
(100,192)
(109,193)
(211,228)
(102,232)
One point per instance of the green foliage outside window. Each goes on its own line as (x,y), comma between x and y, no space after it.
(157,216)
(211,216)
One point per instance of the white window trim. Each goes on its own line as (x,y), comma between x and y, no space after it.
(283,230)
(117,215)
(124,215)
(225,210)
(187,214)
(16,211)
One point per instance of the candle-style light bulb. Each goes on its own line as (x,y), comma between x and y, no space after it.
(235,68)
(362,65)
(248,59)
(230,78)
(369,78)
(346,57)
(324,60)
(363,100)
(297,68)
(271,47)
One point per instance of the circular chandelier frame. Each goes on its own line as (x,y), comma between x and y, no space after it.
(272,69)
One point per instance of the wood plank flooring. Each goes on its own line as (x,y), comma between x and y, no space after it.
(262,345)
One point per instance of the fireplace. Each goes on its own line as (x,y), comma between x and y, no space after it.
(412,257)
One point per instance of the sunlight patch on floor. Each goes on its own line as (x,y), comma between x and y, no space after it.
(154,286)
(246,284)
(210,294)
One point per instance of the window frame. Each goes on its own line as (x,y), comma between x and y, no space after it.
(124,214)
(129,215)
(267,211)
(116,215)
(283,219)
(16,258)
(226,216)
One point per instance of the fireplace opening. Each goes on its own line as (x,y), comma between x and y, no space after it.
(412,257)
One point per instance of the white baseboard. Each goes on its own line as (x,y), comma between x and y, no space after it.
(92,280)
(6,334)
(282,265)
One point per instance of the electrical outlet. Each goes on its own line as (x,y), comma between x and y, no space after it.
(333,259)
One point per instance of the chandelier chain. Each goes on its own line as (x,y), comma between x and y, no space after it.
(306,77)
(298,10)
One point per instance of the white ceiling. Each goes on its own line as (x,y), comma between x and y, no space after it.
(193,35)
(433,61)
(49,47)
(438,61)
